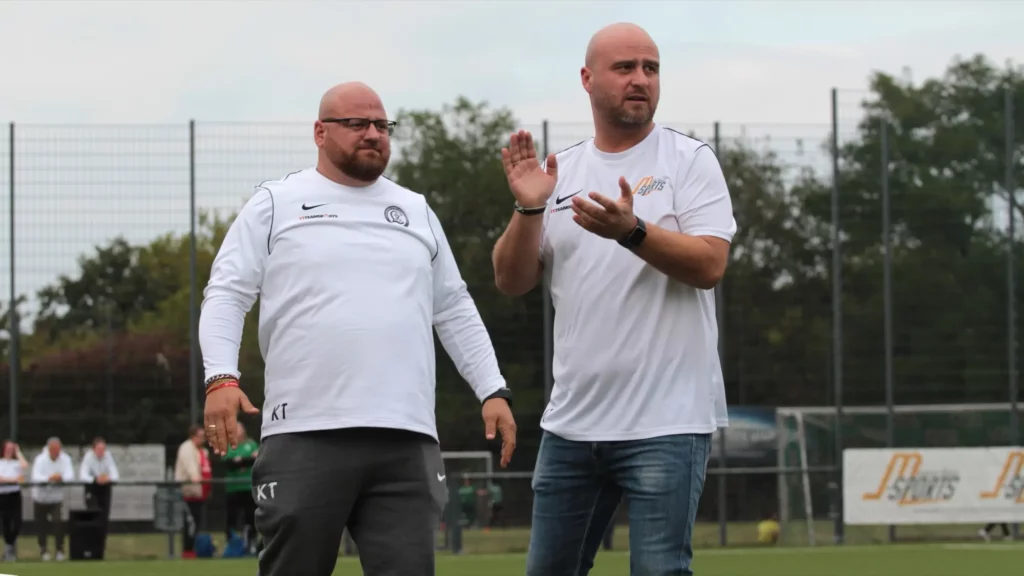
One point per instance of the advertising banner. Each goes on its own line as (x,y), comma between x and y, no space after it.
(933,485)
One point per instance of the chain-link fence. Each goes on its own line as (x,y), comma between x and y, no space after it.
(110,231)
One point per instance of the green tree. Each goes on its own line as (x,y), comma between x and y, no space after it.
(452,156)
(946,166)
(775,290)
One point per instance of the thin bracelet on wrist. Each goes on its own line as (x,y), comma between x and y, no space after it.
(530,211)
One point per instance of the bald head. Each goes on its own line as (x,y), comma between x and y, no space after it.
(348,95)
(622,76)
(616,37)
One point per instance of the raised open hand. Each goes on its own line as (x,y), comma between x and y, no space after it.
(530,184)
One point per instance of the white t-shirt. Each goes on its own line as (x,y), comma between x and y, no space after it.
(10,469)
(351,282)
(93,467)
(635,352)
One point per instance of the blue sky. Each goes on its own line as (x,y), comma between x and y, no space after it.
(763,68)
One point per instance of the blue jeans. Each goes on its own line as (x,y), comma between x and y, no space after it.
(578,486)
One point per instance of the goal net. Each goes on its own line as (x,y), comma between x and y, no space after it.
(458,463)
(467,475)
(809,497)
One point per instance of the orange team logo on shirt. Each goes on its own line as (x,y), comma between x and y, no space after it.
(649,184)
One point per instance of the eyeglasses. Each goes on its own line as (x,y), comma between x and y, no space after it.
(382,126)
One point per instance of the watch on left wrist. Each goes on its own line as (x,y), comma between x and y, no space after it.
(635,237)
(503,393)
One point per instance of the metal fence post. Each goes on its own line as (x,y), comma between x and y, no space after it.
(1011,295)
(549,313)
(837,316)
(12,313)
(723,501)
(890,423)
(1011,276)
(193,320)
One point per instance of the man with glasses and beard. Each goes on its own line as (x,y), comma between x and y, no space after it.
(353,273)
(632,229)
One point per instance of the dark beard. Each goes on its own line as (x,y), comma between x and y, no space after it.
(361,169)
(622,117)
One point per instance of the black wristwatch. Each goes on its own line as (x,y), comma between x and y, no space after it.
(636,236)
(501,393)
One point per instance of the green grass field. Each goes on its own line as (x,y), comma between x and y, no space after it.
(502,553)
(894,560)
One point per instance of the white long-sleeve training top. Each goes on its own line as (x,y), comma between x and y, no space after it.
(93,467)
(42,468)
(351,283)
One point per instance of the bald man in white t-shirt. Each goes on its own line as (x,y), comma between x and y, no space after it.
(632,229)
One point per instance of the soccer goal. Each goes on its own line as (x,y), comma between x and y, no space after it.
(809,497)
(457,463)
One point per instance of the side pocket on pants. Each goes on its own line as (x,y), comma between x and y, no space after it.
(437,478)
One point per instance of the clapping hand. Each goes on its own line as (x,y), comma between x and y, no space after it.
(530,184)
(607,218)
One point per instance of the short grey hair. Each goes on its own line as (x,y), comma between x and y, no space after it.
(53,439)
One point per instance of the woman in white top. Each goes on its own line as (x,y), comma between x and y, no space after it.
(12,473)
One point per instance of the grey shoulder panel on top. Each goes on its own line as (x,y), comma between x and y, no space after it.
(437,244)
(702,144)
(273,210)
(576,145)
(543,161)
(273,206)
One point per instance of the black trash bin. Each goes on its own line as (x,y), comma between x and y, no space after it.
(87,534)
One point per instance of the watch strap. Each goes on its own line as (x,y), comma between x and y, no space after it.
(636,235)
(504,393)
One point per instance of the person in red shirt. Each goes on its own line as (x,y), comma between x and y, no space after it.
(192,468)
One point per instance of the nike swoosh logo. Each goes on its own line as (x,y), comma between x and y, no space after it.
(441,477)
(304,207)
(564,198)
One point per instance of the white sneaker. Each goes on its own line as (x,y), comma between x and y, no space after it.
(983,535)
(60,556)
(46,556)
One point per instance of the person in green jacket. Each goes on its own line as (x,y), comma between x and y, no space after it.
(497,505)
(238,487)
(467,500)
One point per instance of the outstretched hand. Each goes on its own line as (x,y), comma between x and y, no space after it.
(530,184)
(498,418)
(607,218)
